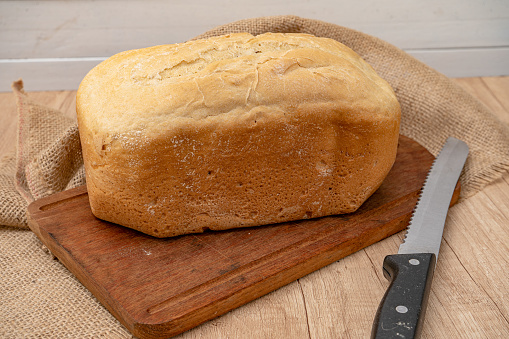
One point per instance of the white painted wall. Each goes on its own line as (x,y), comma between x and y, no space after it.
(52,44)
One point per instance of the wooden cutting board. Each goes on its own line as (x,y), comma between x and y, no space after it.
(159,288)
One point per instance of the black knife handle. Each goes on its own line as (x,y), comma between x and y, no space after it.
(401,311)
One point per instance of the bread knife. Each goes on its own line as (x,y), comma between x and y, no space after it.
(402,309)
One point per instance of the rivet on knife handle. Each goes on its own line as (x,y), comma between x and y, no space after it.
(402,309)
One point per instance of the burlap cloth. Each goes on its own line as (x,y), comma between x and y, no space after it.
(40,298)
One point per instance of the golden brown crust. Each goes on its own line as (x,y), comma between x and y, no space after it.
(234,131)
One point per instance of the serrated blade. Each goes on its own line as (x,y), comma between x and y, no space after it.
(426,226)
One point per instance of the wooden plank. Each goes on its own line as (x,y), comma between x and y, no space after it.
(499,87)
(492,92)
(341,299)
(9,125)
(465,62)
(51,29)
(280,314)
(53,74)
(481,239)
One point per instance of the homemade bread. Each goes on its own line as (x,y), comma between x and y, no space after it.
(234,131)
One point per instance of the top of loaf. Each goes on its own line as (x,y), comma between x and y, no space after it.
(226,77)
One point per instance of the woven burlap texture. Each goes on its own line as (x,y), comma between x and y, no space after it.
(47,159)
(40,298)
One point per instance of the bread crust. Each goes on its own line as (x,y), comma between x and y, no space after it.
(234,131)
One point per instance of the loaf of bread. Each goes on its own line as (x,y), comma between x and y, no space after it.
(234,131)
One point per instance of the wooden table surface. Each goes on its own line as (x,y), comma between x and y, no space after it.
(470,292)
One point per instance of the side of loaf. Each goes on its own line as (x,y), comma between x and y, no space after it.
(234,131)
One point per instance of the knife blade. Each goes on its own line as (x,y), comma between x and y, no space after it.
(403,307)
